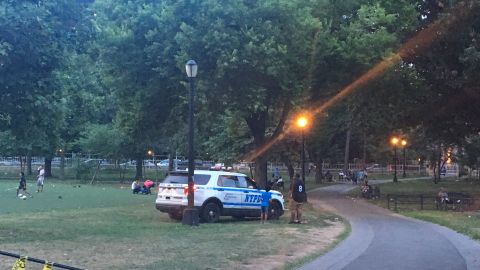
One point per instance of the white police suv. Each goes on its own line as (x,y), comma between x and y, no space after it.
(217,193)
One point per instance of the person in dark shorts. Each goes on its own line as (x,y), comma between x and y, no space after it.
(23,185)
(297,197)
(266,196)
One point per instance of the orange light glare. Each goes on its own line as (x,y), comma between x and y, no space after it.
(394,140)
(404,142)
(302,122)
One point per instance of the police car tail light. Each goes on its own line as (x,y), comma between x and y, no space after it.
(185,189)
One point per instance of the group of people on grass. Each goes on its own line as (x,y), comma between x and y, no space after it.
(142,189)
(22,186)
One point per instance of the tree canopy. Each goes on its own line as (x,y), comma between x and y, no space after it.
(74,74)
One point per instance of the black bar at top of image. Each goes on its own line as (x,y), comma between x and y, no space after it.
(58,265)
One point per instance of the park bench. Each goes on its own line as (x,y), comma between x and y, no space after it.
(457,201)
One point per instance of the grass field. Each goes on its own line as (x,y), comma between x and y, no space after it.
(107,227)
(464,222)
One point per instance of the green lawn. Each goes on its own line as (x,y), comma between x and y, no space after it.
(464,222)
(107,227)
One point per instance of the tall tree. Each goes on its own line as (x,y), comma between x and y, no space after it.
(34,35)
(253,57)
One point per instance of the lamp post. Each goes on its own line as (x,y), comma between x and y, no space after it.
(302,123)
(394,142)
(404,145)
(190,214)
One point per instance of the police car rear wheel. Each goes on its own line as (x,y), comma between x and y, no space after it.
(274,211)
(211,213)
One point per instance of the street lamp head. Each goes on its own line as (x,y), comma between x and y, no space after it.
(394,141)
(302,122)
(191,68)
(150,152)
(404,143)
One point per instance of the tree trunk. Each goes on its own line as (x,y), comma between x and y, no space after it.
(257,125)
(287,161)
(22,164)
(439,162)
(48,166)
(347,148)
(318,171)
(260,173)
(139,169)
(62,166)
(29,163)
(364,157)
(171,162)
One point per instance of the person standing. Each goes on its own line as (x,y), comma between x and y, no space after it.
(40,178)
(298,196)
(23,185)
(266,196)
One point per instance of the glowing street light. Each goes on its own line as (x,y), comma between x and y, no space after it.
(394,141)
(302,123)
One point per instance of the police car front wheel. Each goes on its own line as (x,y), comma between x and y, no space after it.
(211,213)
(274,211)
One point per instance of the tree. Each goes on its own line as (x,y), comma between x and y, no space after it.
(33,38)
(148,88)
(253,57)
(367,33)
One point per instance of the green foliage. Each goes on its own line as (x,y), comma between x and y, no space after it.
(104,140)
(34,38)
(108,77)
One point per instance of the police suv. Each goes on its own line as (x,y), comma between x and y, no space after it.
(217,193)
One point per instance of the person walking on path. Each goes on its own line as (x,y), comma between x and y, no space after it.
(266,196)
(23,185)
(298,196)
(40,178)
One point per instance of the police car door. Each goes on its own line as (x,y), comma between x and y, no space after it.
(229,192)
(251,196)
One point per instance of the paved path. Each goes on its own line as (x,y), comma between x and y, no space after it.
(383,240)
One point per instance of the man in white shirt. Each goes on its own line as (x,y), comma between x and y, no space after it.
(40,178)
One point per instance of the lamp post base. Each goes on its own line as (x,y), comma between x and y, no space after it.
(190,216)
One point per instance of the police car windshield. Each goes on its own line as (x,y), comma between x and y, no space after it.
(199,179)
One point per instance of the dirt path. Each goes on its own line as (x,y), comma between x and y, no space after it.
(310,241)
